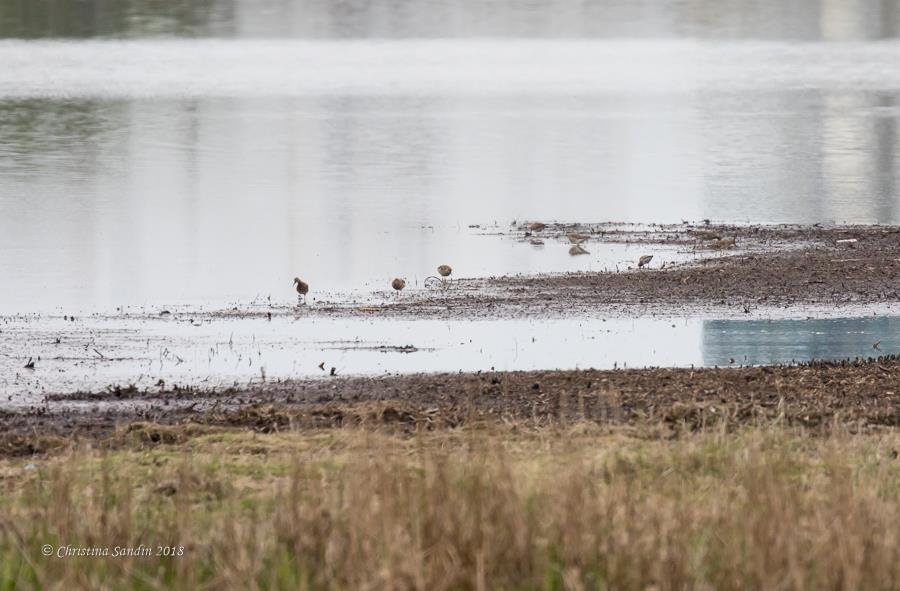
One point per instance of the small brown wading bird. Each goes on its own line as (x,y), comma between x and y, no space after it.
(724,243)
(398,284)
(577,249)
(444,271)
(576,238)
(302,290)
(705,234)
(537,226)
(644,260)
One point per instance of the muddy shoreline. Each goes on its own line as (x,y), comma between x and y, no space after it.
(720,270)
(736,269)
(743,270)
(858,395)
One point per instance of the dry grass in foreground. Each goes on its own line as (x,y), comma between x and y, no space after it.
(488,508)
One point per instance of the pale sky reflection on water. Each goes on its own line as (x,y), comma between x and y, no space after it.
(94,352)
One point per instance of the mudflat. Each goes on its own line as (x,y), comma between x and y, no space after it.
(734,269)
(860,395)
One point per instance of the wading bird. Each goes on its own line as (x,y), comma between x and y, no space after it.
(302,290)
(444,271)
(398,284)
(705,234)
(576,238)
(537,226)
(724,243)
(577,249)
(644,260)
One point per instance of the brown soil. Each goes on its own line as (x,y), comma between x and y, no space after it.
(859,395)
(742,268)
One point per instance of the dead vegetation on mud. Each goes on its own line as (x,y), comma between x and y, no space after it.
(860,395)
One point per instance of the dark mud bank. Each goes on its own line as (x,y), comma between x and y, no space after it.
(859,395)
(738,269)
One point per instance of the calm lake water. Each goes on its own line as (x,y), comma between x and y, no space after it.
(208,151)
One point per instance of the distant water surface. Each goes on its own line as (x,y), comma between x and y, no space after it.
(206,152)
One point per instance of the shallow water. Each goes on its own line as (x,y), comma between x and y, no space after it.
(207,152)
(94,353)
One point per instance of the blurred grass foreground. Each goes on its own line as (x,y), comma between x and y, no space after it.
(497,506)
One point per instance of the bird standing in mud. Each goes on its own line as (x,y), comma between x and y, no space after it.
(302,290)
(644,261)
(705,234)
(444,271)
(577,250)
(537,226)
(576,238)
(724,243)
(398,284)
